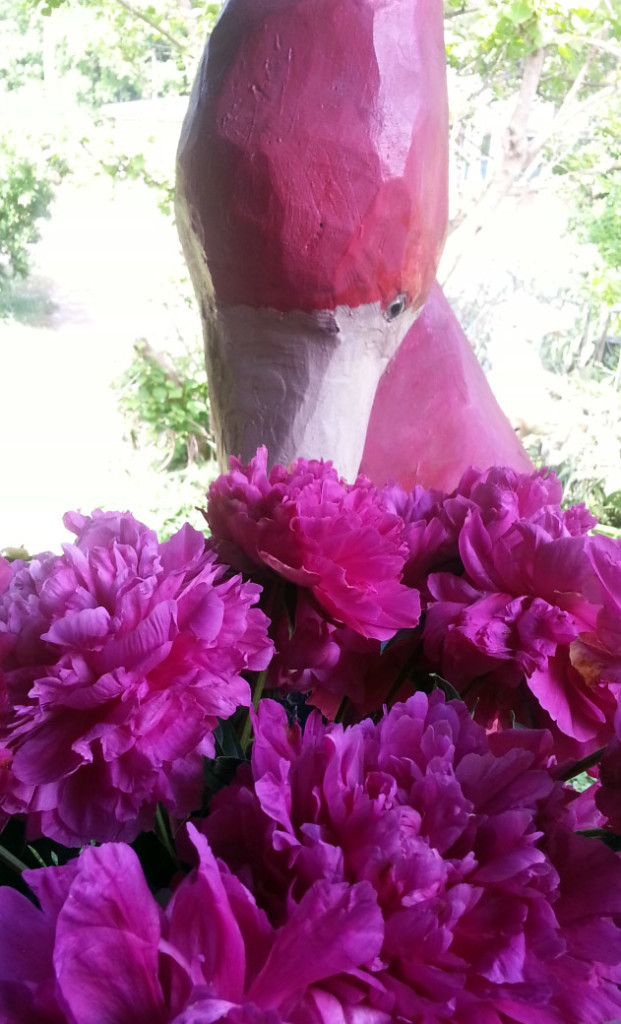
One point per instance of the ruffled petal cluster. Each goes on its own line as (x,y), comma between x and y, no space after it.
(523,622)
(119,656)
(330,557)
(334,539)
(412,867)
(485,916)
(521,607)
(101,949)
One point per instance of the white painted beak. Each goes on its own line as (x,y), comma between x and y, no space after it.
(302,384)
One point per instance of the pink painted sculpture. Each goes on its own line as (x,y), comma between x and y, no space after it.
(312,207)
(434,412)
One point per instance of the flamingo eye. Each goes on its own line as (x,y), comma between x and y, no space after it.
(396,307)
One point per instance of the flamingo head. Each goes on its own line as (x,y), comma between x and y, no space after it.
(312,207)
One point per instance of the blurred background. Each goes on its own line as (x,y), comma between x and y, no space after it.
(103,398)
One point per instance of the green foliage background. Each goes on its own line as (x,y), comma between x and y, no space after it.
(25,198)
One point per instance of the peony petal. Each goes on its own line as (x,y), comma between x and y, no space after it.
(183,551)
(143,647)
(26,939)
(106,952)
(85,628)
(335,929)
(204,929)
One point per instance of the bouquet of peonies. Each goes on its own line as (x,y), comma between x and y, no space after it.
(315,769)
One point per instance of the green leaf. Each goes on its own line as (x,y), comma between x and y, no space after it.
(609,838)
(219,772)
(227,740)
(519,11)
(401,634)
(447,688)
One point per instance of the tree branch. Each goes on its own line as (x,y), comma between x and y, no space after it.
(570,107)
(592,42)
(137,13)
(515,157)
(565,114)
(520,158)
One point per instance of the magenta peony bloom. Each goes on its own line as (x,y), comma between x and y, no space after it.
(520,626)
(486,917)
(119,657)
(309,527)
(101,949)
(502,497)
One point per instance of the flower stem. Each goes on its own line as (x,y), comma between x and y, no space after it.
(579,766)
(396,685)
(162,831)
(258,690)
(256,697)
(344,713)
(11,861)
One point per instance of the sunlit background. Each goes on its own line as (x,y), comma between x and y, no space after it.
(102,399)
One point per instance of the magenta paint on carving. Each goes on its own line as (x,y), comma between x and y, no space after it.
(314,159)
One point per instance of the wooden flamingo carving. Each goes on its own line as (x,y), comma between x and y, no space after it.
(312,207)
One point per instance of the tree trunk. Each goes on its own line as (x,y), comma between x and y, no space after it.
(516,157)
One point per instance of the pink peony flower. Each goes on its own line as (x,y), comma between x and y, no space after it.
(504,497)
(520,627)
(309,527)
(501,496)
(486,918)
(101,949)
(119,657)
